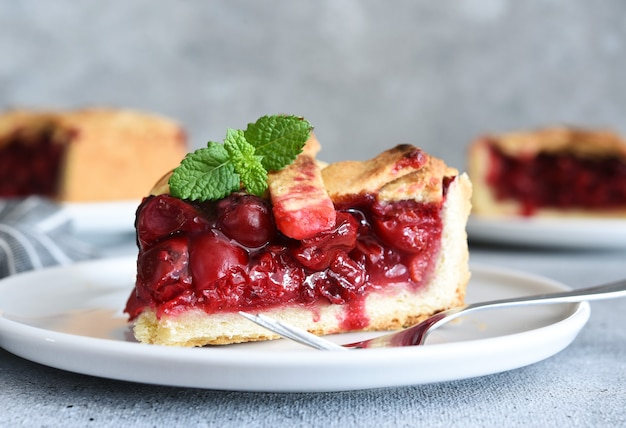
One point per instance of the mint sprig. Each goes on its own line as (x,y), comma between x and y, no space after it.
(247,164)
(243,161)
(278,139)
(207,171)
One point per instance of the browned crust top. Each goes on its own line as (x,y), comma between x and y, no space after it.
(400,173)
(94,121)
(577,141)
(393,175)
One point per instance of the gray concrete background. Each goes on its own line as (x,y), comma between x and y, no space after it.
(368,74)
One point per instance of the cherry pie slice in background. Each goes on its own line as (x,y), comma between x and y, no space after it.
(556,172)
(86,155)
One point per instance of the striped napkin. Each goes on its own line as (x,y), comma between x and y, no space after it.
(36,233)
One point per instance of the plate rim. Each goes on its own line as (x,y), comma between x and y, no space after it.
(26,336)
(549,232)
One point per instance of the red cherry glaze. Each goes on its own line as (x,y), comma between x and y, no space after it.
(406,225)
(317,252)
(162,274)
(414,159)
(274,277)
(382,263)
(348,279)
(229,256)
(558,181)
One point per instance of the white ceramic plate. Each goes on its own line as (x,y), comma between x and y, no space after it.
(570,233)
(70,318)
(103,217)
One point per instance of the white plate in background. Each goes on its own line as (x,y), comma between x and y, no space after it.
(71,318)
(99,220)
(567,233)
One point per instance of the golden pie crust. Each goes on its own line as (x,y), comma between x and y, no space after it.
(577,141)
(390,176)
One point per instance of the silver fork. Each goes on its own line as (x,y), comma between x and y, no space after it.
(417,334)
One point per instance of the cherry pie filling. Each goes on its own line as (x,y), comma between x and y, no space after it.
(43,157)
(228,255)
(557,181)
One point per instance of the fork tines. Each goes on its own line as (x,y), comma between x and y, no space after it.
(293,333)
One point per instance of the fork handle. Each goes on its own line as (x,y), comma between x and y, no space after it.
(606,291)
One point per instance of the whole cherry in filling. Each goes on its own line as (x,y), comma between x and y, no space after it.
(246,219)
(212,256)
(229,255)
(165,216)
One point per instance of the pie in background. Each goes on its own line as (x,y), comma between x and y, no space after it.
(555,172)
(86,155)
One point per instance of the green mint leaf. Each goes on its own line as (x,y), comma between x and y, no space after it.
(207,173)
(214,172)
(248,165)
(254,179)
(278,139)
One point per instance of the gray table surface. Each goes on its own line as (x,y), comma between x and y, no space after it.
(584,385)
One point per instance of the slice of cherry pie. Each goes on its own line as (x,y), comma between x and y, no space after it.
(372,245)
(556,171)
